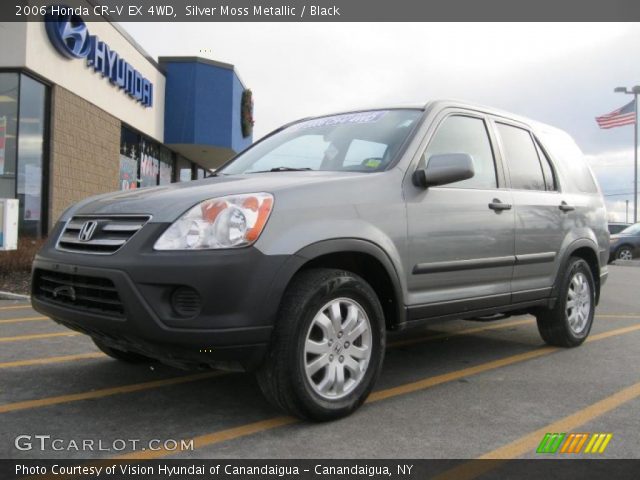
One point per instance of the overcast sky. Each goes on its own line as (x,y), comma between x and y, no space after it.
(562,74)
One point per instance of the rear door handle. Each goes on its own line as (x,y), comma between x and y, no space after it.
(498,206)
(565,207)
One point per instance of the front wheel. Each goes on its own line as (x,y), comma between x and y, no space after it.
(327,348)
(568,324)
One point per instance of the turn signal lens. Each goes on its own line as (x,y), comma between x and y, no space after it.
(224,222)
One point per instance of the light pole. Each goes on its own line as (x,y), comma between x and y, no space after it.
(626,215)
(635,91)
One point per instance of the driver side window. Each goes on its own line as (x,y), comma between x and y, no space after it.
(461,134)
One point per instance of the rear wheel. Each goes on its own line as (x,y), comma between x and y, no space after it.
(327,348)
(122,355)
(624,253)
(568,324)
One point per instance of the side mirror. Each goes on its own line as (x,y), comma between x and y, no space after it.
(443,169)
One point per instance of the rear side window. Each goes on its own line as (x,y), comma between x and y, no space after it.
(547,170)
(459,134)
(569,159)
(521,156)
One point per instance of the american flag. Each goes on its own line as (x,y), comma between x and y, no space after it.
(622,116)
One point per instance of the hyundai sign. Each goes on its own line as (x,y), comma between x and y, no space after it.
(70,36)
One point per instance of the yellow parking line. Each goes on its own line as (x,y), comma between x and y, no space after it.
(16,307)
(466,331)
(105,392)
(457,374)
(612,333)
(257,427)
(221,436)
(125,389)
(272,423)
(484,328)
(24,319)
(38,336)
(47,360)
(529,442)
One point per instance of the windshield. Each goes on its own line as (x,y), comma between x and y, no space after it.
(632,230)
(355,142)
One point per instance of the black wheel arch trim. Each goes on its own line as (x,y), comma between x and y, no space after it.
(569,251)
(344,245)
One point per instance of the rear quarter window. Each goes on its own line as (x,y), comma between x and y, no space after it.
(569,160)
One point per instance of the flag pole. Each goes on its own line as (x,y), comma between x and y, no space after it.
(635,91)
(635,159)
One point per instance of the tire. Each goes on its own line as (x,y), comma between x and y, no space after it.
(303,341)
(624,253)
(565,325)
(122,355)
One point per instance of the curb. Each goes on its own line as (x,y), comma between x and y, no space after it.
(13,296)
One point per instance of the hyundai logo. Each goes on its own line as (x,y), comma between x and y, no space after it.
(87,231)
(70,37)
(68,34)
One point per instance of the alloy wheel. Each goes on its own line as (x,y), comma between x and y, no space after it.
(578,307)
(625,254)
(337,348)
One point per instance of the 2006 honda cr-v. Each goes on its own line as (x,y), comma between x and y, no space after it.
(298,255)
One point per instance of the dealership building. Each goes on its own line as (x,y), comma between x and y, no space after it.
(85,110)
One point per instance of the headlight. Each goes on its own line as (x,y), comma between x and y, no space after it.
(223,222)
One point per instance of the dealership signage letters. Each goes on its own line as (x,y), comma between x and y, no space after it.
(70,36)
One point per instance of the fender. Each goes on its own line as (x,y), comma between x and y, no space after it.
(568,252)
(340,245)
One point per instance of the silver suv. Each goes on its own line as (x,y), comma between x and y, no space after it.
(296,257)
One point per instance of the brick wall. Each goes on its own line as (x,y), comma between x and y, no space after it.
(85,149)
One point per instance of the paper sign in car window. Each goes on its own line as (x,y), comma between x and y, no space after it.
(347,118)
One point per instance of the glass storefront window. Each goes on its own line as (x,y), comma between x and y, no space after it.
(129,156)
(146,163)
(185,170)
(166,166)
(8,133)
(31,131)
(23,124)
(149,164)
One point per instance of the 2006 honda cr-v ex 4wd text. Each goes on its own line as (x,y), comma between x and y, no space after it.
(297,256)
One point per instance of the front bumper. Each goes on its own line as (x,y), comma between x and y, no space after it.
(239,294)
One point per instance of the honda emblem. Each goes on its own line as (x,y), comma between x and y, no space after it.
(87,231)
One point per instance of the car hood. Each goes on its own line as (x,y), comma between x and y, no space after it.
(167,203)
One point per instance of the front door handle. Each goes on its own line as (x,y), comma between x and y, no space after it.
(498,206)
(565,207)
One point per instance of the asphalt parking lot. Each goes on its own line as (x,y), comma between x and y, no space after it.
(455,390)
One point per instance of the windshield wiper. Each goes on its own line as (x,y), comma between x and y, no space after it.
(283,169)
(289,169)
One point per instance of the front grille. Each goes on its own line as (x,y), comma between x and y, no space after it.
(82,292)
(99,235)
